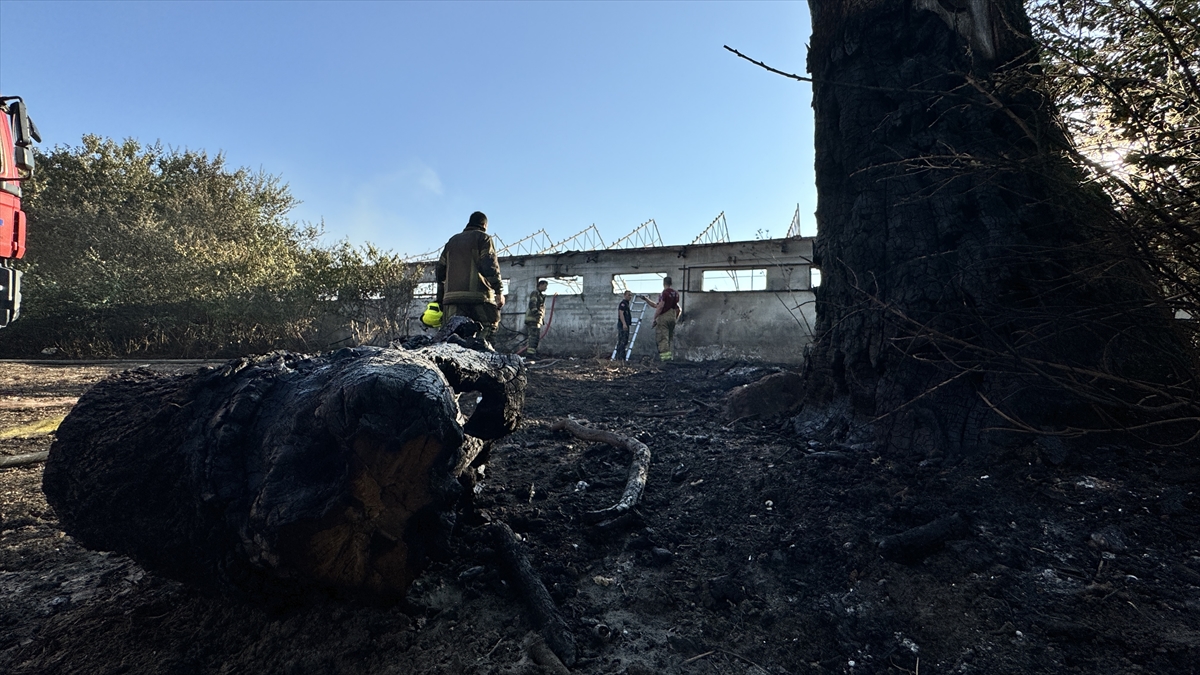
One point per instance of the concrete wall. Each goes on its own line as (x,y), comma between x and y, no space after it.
(771,325)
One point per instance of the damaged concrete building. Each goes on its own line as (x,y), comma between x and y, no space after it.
(741,300)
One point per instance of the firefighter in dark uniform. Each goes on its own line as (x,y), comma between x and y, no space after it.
(533,318)
(468,277)
(624,320)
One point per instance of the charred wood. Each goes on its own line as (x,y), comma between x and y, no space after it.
(912,546)
(639,468)
(977,287)
(282,473)
(545,614)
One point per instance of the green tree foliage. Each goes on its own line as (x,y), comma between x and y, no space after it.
(1126,75)
(143,249)
(372,288)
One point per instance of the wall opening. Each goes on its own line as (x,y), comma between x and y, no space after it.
(650,282)
(734,280)
(426,290)
(563,285)
(814,277)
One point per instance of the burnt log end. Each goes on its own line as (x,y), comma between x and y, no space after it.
(281,473)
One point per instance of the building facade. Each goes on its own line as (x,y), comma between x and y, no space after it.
(750,300)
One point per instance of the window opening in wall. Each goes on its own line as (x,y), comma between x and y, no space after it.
(426,289)
(814,277)
(563,285)
(650,282)
(734,280)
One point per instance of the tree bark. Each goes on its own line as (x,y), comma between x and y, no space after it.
(970,280)
(282,473)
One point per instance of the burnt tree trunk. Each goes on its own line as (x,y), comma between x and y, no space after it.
(971,280)
(282,473)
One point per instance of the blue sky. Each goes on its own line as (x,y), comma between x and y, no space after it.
(393,121)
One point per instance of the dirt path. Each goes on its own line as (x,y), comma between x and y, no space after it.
(753,552)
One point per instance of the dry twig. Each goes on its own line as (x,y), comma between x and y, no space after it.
(23,460)
(639,468)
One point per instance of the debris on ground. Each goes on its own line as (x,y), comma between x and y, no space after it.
(751,550)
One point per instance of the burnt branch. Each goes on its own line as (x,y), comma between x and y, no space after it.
(546,616)
(639,468)
(13,461)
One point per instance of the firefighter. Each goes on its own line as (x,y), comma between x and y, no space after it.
(666,315)
(468,277)
(624,320)
(533,318)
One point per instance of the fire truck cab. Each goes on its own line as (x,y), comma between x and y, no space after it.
(17,136)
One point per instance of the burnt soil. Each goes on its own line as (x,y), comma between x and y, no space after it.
(753,551)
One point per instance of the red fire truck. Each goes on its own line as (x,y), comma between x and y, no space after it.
(17,136)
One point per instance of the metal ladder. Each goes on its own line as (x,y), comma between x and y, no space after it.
(636,309)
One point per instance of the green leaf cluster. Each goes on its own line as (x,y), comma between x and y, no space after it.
(144,249)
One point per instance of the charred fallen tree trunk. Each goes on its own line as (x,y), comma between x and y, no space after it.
(282,473)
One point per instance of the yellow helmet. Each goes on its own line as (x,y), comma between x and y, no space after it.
(432,316)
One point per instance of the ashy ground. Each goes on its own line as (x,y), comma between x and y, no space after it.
(753,551)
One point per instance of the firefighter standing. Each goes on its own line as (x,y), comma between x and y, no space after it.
(533,318)
(666,315)
(468,277)
(624,320)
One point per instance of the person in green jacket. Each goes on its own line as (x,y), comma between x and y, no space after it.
(468,277)
(533,318)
